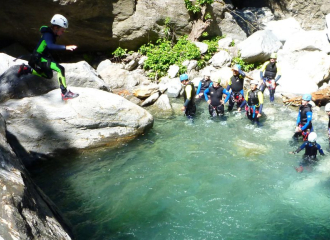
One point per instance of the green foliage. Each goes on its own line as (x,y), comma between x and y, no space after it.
(162,55)
(197,7)
(212,48)
(207,16)
(245,67)
(232,44)
(119,52)
(205,34)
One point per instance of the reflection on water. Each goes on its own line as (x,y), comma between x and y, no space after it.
(203,180)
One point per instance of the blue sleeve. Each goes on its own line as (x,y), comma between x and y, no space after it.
(243,104)
(261,75)
(298,118)
(199,87)
(211,84)
(301,147)
(241,73)
(277,78)
(228,95)
(50,44)
(309,119)
(320,149)
(228,87)
(205,94)
(242,92)
(260,108)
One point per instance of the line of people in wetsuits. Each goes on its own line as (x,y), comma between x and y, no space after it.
(252,101)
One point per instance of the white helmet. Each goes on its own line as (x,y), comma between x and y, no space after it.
(327,107)
(256,82)
(59,20)
(312,137)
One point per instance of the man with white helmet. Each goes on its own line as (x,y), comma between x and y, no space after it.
(42,63)
(254,100)
(269,75)
(311,147)
(236,84)
(304,119)
(204,84)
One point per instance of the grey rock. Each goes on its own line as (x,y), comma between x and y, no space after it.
(150,100)
(173,86)
(284,29)
(81,74)
(203,47)
(26,213)
(132,65)
(173,71)
(225,42)
(143,92)
(103,65)
(259,46)
(220,59)
(163,103)
(46,124)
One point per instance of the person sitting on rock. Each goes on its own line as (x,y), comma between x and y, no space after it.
(269,75)
(42,63)
(304,119)
(311,147)
(327,110)
(189,93)
(236,84)
(253,102)
(216,103)
(204,84)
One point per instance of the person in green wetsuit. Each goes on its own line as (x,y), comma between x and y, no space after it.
(42,63)
(189,93)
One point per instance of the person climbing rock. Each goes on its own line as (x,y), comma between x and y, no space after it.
(236,84)
(304,119)
(216,103)
(189,93)
(327,110)
(311,147)
(204,84)
(269,75)
(42,63)
(253,103)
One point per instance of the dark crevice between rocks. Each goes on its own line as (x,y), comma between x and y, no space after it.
(20,211)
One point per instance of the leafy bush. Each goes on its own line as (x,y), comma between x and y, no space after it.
(197,7)
(162,55)
(119,52)
(245,67)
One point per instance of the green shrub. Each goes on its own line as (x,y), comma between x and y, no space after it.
(245,66)
(162,55)
(197,7)
(119,52)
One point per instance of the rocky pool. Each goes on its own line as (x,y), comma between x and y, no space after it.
(210,179)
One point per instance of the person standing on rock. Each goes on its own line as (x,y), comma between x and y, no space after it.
(304,119)
(253,102)
(189,93)
(204,84)
(269,75)
(42,63)
(216,103)
(311,147)
(236,84)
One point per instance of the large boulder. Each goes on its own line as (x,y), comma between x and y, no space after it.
(308,40)
(302,71)
(46,124)
(7,61)
(173,86)
(81,74)
(284,29)
(116,77)
(14,87)
(220,59)
(259,46)
(25,211)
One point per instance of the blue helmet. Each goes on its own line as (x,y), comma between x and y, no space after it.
(183,77)
(307,97)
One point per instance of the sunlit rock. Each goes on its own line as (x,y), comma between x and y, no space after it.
(96,118)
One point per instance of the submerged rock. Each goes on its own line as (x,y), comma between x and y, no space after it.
(46,124)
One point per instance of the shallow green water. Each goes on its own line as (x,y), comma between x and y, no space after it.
(206,180)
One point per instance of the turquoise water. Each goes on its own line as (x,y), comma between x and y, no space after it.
(211,179)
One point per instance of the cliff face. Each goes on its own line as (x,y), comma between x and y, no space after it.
(26,213)
(102,25)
